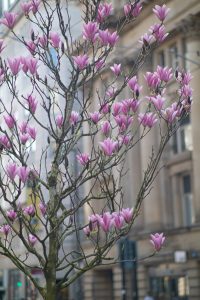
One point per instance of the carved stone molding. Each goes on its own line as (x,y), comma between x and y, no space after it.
(190,27)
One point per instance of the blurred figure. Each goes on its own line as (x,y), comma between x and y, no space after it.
(148,296)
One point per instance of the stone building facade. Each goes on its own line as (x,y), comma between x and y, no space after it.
(173,205)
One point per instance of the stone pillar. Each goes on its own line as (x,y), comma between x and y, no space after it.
(191,28)
(152,203)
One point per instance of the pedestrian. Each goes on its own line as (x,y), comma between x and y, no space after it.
(149,296)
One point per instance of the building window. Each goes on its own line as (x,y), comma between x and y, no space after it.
(188,212)
(161,58)
(182,139)
(173,56)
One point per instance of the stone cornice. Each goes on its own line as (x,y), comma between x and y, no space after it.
(190,27)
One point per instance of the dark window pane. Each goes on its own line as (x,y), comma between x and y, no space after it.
(186,184)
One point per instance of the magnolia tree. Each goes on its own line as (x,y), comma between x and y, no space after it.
(109,132)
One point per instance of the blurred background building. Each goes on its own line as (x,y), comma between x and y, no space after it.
(173,206)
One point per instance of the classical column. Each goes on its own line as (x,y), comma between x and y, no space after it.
(191,29)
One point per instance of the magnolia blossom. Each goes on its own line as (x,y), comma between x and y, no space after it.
(74,117)
(12,170)
(26,7)
(133,85)
(35,5)
(23,127)
(14,65)
(108,146)
(161,12)
(158,32)
(158,101)
(32,239)
(110,92)
(105,128)
(83,158)
(153,79)
(10,121)
(11,214)
(132,9)
(43,208)
(164,74)
(118,220)
(90,31)
(95,117)
(54,39)
(116,108)
(147,119)
(5,141)
(24,138)
(32,132)
(32,103)
(5,229)
(31,46)
(9,19)
(87,230)
(116,69)
(127,213)
(32,64)
(99,64)
(105,221)
(30,210)
(81,61)
(59,121)
(157,240)
(23,173)
(104,10)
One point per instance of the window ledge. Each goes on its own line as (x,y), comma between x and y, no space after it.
(179,158)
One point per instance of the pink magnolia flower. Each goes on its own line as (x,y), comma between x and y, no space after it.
(161,12)
(133,85)
(170,113)
(30,210)
(24,138)
(124,140)
(110,92)
(1,45)
(90,30)
(32,132)
(123,121)
(105,221)
(103,37)
(112,38)
(105,128)
(104,10)
(118,220)
(157,240)
(108,146)
(81,61)
(83,158)
(158,101)
(87,231)
(43,208)
(12,215)
(158,32)
(11,170)
(54,39)
(186,77)
(146,39)
(43,41)
(95,117)
(74,117)
(23,127)
(23,173)
(5,141)
(32,64)
(35,5)
(116,108)
(93,221)
(132,9)
(10,121)
(32,239)
(59,121)
(127,213)
(32,103)
(105,108)
(153,79)
(26,7)
(116,69)
(147,119)
(31,46)
(99,64)
(5,229)
(129,104)
(14,65)
(24,64)
(9,19)
(165,74)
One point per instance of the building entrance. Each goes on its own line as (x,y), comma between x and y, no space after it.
(170,288)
